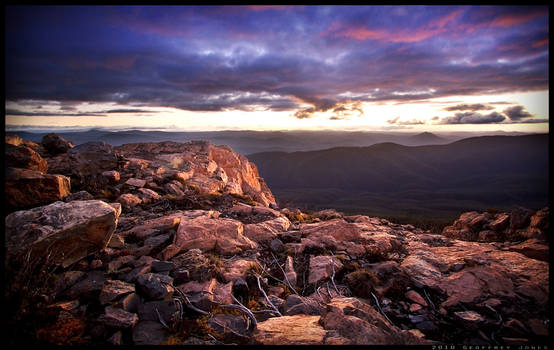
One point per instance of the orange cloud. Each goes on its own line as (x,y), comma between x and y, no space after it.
(404,36)
(509,20)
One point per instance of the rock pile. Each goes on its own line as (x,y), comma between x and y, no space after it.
(182,243)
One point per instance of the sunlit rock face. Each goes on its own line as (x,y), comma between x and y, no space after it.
(200,164)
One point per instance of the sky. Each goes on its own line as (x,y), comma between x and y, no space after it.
(404,68)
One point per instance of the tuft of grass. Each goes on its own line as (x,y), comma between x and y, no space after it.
(361,282)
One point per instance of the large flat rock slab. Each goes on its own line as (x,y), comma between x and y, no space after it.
(66,231)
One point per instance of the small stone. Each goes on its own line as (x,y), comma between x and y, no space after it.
(415,297)
(135,182)
(470,318)
(116,242)
(415,307)
(114,289)
(118,318)
(154,286)
(162,266)
(276,245)
(130,303)
(180,276)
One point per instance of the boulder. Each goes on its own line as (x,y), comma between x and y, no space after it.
(225,236)
(113,289)
(321,267)
(519,217)
(66,232)
(55,144)
(361,324)
(296,304)
(25,158)
(289,330)
(532,248)
(154,285)
(28,188)
(111,176)
(118,318)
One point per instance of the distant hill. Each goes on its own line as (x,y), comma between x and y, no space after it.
(247,141)
(426,138)
(436,181)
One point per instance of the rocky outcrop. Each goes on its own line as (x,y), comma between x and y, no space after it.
(26,188)
(65,232)
(25,158)
(180,248)
(520,223)
(204,166)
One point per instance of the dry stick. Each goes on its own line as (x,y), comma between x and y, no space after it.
(266,298)
(379,307)
(428,299)
(160,318)
(253,323)
(284,274)
(333,275)
(189,304)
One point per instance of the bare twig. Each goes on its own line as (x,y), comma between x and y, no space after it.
(284,274)
(497,314)
(253,322)
(333,275)
(428,299)
(160,318)
(379,307)
(266,297)
(188,302)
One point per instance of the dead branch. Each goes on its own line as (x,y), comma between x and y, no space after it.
(188,302)
(333,275)
(266,297)
(428,299)
(284,274)
(160,318)
(381,310)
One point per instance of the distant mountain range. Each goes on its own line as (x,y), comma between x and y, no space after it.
(388,179)
(247,142)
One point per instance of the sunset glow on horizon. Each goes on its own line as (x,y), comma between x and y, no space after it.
(395,68)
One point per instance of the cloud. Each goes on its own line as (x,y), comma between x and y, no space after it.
(302,60)
(516,113)
(474,118)
(397,121)
(469,107)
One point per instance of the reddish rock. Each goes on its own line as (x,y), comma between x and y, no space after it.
(500,223)
(238,268)
(416,298)
(225,236)
(148,196)
(290,330)
(129,200)
(540,219)
(519,217)
(13,139)
(135,182)
(363,325)
(118,318)
(28,188)
(111,176)
(25,158)
(532,248)
(321,267)
(87,227)
(114,289)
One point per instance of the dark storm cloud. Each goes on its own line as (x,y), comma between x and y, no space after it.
(516,113)
(512,115)
(16,112)
(302,59)
(474,118)
(469,107)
